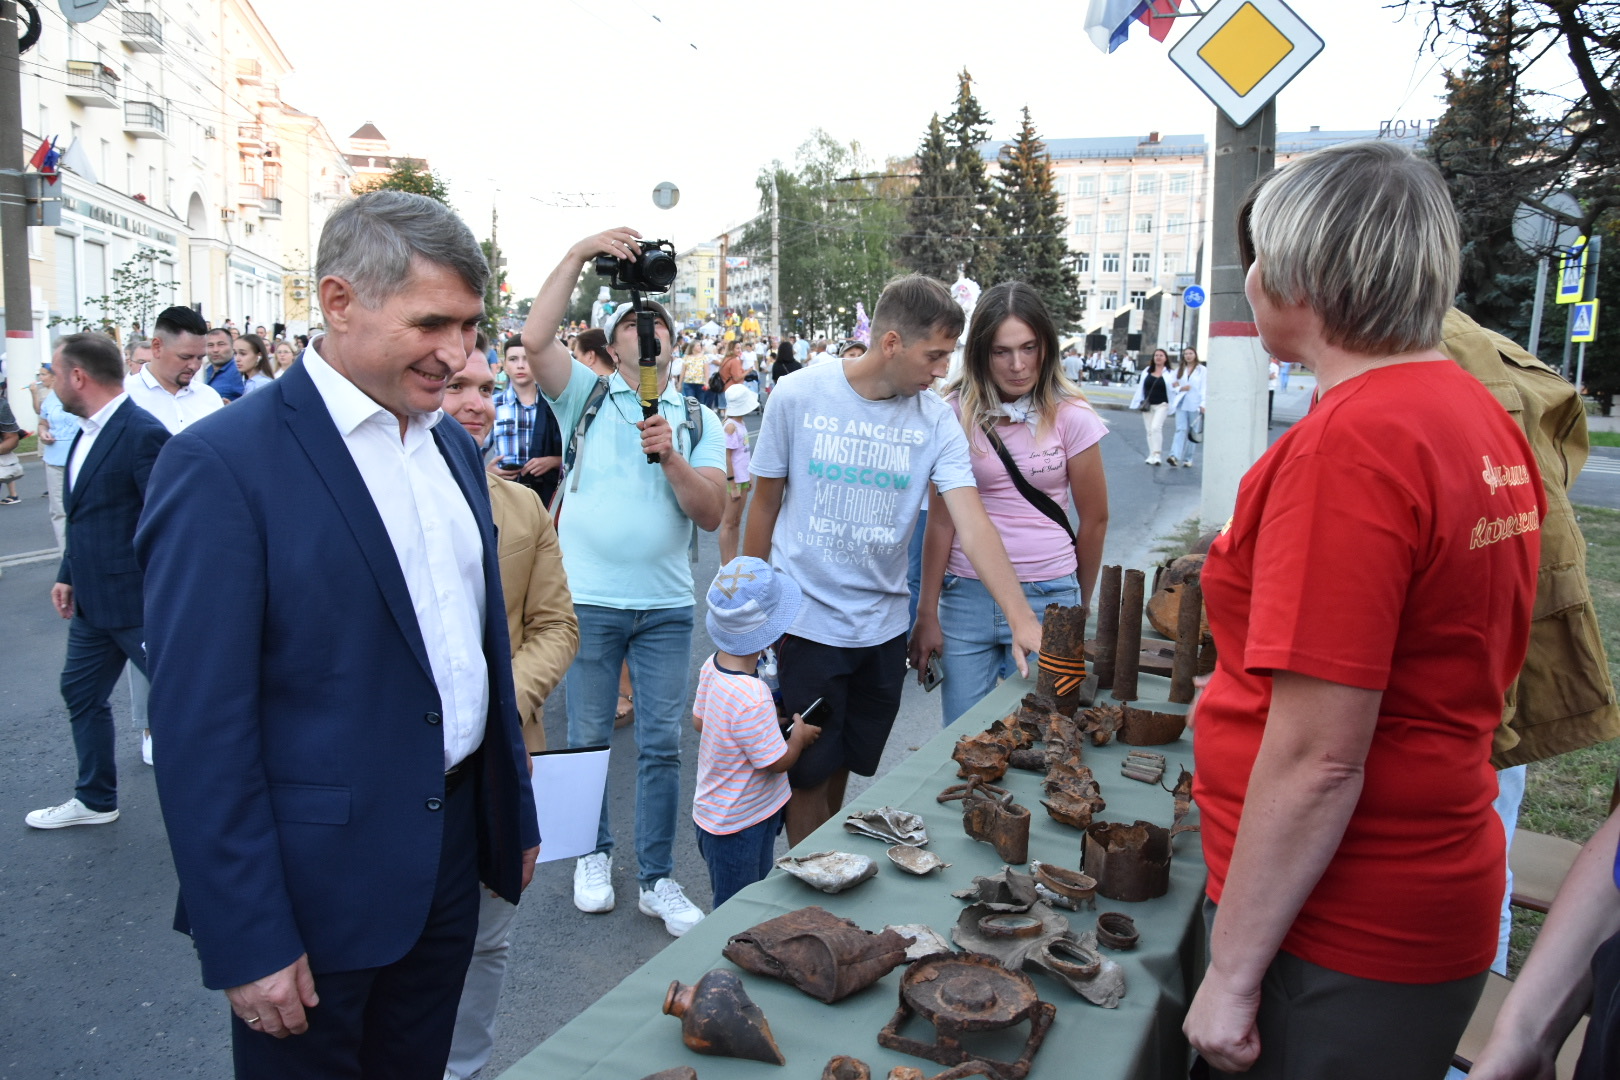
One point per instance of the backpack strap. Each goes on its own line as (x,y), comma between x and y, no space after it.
(576,442)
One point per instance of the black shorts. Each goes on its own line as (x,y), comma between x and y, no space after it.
(861,686)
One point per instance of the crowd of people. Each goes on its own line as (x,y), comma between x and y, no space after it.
(432,531)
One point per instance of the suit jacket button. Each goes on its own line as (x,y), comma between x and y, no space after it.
(434,804)
(432,718)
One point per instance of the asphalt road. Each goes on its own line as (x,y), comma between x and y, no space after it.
(95,981)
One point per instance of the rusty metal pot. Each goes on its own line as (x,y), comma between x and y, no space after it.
(817,952)
(959,994)
(717,1017)
(1130,862)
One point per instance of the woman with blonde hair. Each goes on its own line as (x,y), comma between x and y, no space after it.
(1033,442)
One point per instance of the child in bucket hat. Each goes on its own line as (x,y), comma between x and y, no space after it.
(743,757)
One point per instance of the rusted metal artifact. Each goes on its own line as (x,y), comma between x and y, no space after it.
(1009,936)
(1164,605)
(1007,890)
(915,860)
(1030,760)
(925,940)
(1130,862)
(1062,886)
(1108,591)
(989,814)
(848,1068)
(1099,723)
(1189,636)
(1144,765)
(1182,793)
(1077,963)
(1147,727)
(960,994)
(817,952)
(1127,656)
(1073,795)
(1062,670)
(1117,930)
(890,824)
(717,1017)
(983,756)
(829,871)
(844,1067)
(679,1072)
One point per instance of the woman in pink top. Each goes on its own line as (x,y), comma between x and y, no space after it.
(1020,412)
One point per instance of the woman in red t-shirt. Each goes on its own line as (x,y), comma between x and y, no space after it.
(1370,602)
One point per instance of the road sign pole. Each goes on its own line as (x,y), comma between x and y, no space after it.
(1569,344)
(1541,303)
(1235,399)
(1580,370)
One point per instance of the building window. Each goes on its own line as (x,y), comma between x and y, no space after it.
(1147,184)
(1138,299)
(1082,262)
(106,159)
(1085,185)
(1119,183)
(1175,223)
(1170,263)
(1144,223)
(1113,223)
(1180,183)
(1141,262)
(1083,224)
(1110,262)
(1109,300)
(129,174)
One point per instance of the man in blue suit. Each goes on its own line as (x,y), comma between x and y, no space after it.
(99,584)
(335,795)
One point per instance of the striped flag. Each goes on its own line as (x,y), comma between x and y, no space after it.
(1108,22)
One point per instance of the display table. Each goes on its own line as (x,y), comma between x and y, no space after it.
(625,1036)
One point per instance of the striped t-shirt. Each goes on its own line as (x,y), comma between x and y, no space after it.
(741,739)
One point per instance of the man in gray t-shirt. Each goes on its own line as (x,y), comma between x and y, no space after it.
(841,469)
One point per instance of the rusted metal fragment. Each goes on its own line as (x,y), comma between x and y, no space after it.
(1073,795)
(889,824)
(1031,760)
(829,871)
(1108,591)
(1062,670)
(983,756)
(1163,609)
(1071,888)
(718,1017)
(914,860)
(1009,936)
(960,994)
(1145,727)
(989,814)
(1189,636)
(1117,930)
(1077,963)
(1013,731)
(817,952)
(1127,660)
(925,940)
(1007,890)
(1099,723)
(1064,743)
(1130,862)
(1144,765)
(1183,796)
(679,1072)
(844,1067)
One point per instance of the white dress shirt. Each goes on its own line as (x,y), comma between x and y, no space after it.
(435,539)
(89,428)
(174,411)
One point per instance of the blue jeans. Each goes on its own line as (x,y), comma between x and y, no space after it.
(658,645)
(978,642)
(95,657)
(740,858)
(1182,448)
(914,561)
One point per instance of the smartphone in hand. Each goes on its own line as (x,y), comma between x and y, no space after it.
(808,715)
(933,673)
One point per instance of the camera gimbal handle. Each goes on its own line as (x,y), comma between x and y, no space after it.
(647,342)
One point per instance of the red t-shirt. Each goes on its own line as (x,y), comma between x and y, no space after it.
(1389,541)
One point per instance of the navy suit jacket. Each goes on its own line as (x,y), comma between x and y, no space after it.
(300,781)
(103,506)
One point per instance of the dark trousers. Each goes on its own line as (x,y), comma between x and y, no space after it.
(393,1022)
(95,658)
(741,858)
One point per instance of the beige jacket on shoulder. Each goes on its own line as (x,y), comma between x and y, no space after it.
(539,608)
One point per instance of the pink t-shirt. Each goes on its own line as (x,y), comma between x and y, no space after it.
(1039,550)
(737,449)
(740,740)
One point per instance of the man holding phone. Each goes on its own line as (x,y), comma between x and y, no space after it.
(841,469)
(528,442)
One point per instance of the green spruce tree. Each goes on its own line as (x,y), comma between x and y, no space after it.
(936,223)
(1032,246)
(967,130)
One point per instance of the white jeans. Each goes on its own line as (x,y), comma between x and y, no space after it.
(1509,796)
(1154,419)
(474,1039)
(54,477)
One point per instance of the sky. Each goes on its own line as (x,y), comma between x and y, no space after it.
(566,113)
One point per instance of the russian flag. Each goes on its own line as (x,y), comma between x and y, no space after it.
(1108,22)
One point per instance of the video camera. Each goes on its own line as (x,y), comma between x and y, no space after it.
(653,272)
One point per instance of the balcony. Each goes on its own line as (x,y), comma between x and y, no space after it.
(142,119)
(248,194)
(93,85)
(142,32)
(251,136)
(269,207)
(248,72)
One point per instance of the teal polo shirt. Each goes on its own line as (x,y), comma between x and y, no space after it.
(623,534)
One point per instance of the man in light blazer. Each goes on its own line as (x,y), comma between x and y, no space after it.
(335,796)
(99,584)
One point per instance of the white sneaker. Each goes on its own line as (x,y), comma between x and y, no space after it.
(593,883)
(72,812)
(146,746)
(666,900)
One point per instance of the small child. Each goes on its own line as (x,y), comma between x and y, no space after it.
(742,784)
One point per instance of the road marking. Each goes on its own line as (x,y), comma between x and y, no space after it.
(26,557)
(1604,465)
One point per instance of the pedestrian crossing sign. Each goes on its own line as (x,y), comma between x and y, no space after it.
(1572,273)
(1583,321)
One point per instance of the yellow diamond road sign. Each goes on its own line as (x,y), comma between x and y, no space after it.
(1242,52)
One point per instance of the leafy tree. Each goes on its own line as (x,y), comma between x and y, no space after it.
(1485,131)
(495,306)
(1033,249)
(1602,374)
(134,299)
(838,224)
(951,216)
(407,177)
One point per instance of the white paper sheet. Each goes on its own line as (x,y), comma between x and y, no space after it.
(568,787)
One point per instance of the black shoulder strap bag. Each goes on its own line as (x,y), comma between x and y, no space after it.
(1039,499)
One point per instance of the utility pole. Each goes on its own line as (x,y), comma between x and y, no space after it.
(22,351)
(1235,399)
(776,259)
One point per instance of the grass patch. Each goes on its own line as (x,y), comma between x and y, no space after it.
(28,445)
(1604,438)
(1177,542)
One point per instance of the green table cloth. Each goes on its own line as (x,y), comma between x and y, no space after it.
(625,1035)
